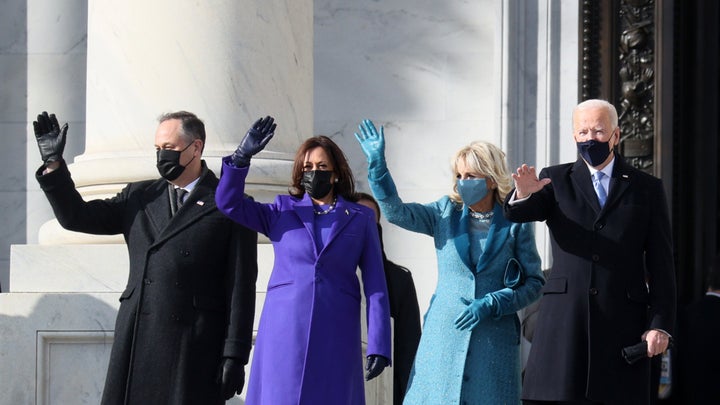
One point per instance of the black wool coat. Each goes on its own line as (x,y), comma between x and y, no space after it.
(612,279)
(190,296)
(697,371)
(405,312)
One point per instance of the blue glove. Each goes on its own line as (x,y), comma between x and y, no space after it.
(254,141)
(232,377)
(375,365)
(476,311)
(373,145)
(50,137)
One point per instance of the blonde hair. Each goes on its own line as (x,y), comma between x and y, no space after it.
(485,159)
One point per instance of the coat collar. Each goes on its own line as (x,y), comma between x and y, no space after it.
(621,178)
(497,236)
(198,203)
(344,212)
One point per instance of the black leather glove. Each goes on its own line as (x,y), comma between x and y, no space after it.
(636,352)
(375,365)
(254,141)
(50,137)
(232,377)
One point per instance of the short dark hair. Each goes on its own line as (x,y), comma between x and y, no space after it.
(345,185)
(191,126)
(714,274)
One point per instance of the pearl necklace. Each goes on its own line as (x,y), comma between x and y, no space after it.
(481,215)
(330,208)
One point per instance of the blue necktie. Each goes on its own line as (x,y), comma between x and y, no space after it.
(599,189)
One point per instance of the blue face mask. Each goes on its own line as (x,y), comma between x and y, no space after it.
(472,190)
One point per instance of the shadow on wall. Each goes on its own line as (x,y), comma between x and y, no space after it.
(54,348)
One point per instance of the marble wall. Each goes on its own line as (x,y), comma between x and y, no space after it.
(428,72)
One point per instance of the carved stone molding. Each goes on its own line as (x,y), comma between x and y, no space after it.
(67,362)
(636,71)
(618,64)
(590,50)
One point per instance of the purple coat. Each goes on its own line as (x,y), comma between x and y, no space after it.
(308,348)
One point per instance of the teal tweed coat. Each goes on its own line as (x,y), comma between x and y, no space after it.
(481,366)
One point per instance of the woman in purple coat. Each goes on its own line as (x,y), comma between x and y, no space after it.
(308,348)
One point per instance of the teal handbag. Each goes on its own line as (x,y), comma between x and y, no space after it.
(514,274)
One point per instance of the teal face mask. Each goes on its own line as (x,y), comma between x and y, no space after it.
(472,190)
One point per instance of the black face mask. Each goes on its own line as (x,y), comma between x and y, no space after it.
(168,163)
(594,152)
(317,183)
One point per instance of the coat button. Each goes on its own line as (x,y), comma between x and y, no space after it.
(185,253)
(596,257)
(599,226)
(148,281)
(593,291)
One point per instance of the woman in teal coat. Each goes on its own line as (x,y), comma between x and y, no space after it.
(488,269)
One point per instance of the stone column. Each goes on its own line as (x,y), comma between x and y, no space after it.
(230,62)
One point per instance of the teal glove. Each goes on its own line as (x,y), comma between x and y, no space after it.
(476,311)
(373,145)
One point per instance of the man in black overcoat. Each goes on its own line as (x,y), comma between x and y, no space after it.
(612,283)
(183,332)
(698,363)
(404,311)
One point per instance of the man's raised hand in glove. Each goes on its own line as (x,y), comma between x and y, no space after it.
(50,138)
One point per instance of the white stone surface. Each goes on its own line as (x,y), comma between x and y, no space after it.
(230,62)
(55,82)
(425,71)
(31,330)
(69,268)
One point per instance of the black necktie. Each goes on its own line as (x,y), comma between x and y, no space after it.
(180,194)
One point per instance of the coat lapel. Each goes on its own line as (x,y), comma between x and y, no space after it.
(198,203)
(461,235)
(619,182)
(580,177)
(156,200)
(305,211)
(344,212)
(497,236)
